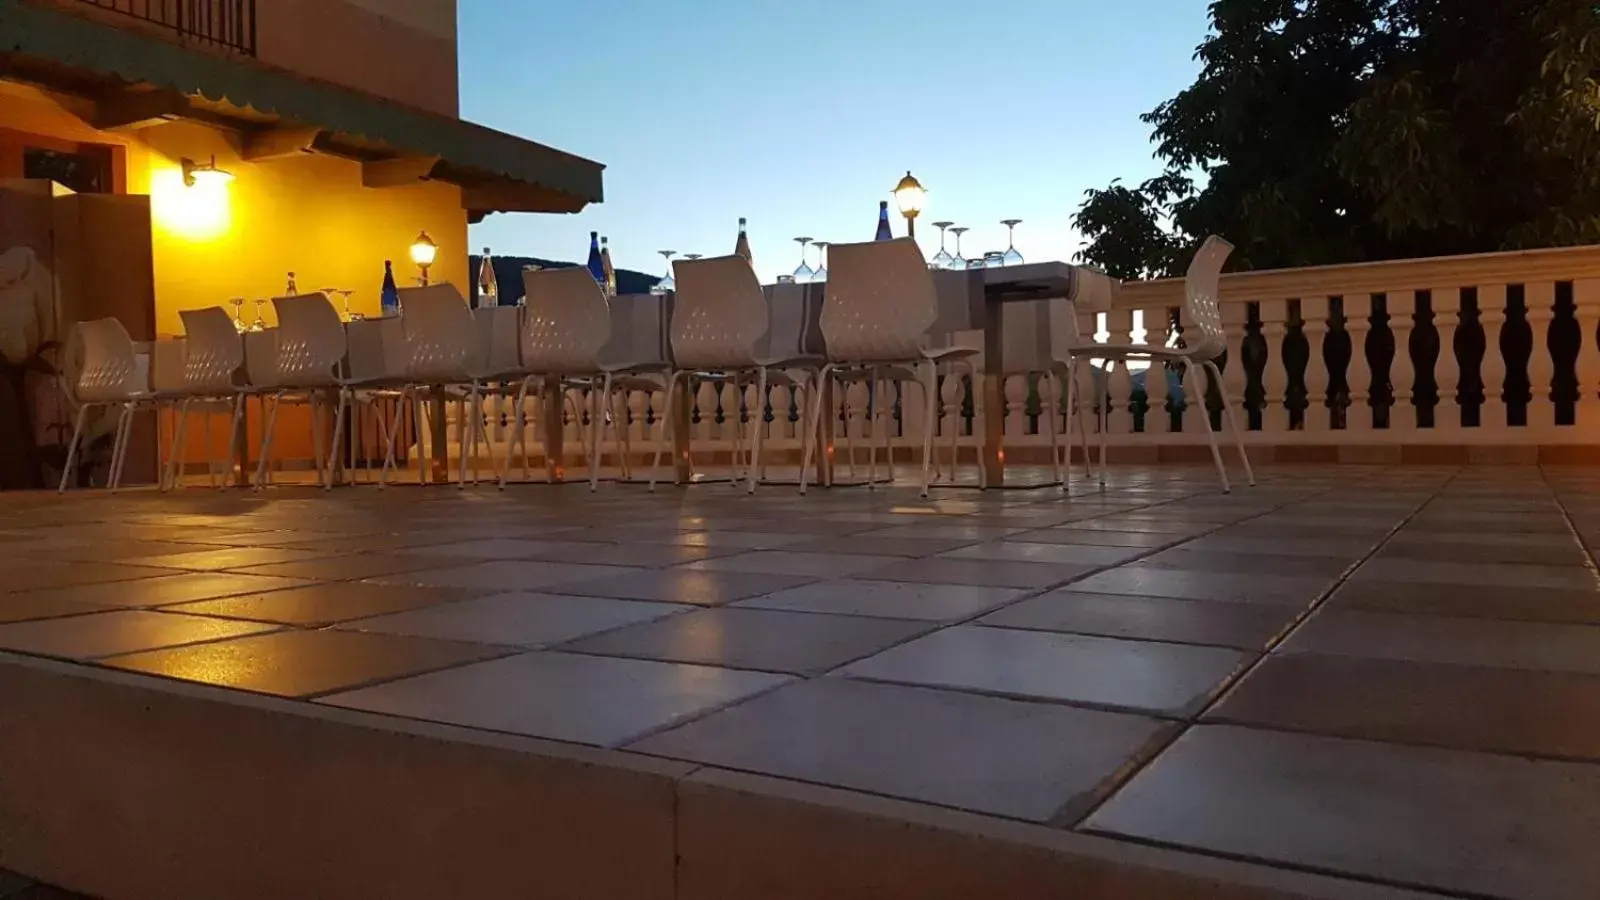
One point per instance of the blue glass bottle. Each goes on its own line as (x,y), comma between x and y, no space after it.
(884,234)
(389,298)
(596,264)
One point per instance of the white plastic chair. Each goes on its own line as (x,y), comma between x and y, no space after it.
(1204,342)
(720,326)
(444,351)
(213,360)
(881,305)
(109,375)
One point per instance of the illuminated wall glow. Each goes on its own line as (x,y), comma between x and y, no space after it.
(199,212)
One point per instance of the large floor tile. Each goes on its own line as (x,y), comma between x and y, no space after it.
(304,663)
(38,575)
(790,562)
(887,599)
(525,619)
(1226,542)
(170,589)
(1546,553)
(860,545)
(944,530)
(219,558)
(117,631)
(1483,824)
(569,697)
(1005,757)
(355,566)
(1411,571)
(773,641)
(983,572)
(684,585)
(1541,646)
(1471,601)
(1200,560)
(1244,625)
(1284,590)
(1468,708)
(323,604)
(506,575)
(1091,538)
(1061,554)
(1170,679)
(30,605)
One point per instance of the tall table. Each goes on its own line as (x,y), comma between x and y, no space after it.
(1001,286)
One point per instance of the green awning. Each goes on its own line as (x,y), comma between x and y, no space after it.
(36,38)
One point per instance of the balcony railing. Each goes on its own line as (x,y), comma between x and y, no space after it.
(223,24)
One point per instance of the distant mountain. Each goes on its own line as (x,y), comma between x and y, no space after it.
(508,274)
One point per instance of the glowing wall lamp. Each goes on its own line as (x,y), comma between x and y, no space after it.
(423,253)
(204,173)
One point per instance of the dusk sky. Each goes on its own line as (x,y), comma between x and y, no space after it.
(802,116)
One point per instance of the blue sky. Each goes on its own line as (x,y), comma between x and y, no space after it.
(802,116)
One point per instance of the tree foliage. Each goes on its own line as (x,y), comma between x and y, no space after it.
(1323,131)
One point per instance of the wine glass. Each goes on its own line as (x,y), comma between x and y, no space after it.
(668,284)
(693,256)
(345,294)
(956,260)
(260,324)
(238,315)
(1012,257)
(941,260)
(821,272)
(994,259)
(804,272)
(331,293)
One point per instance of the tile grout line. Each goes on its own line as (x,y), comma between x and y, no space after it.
(1238,676)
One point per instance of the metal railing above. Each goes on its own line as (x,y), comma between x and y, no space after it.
(223,24)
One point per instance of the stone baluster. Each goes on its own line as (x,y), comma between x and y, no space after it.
(1586,309)
(1119,381)
(951,392)
(782,426)
(705,410)
(1314,323)
(1015,392)
(1403,414)
(1235,380)
(1157,419)
(1492,315)
(753,410)
(1179,405)
(1275,374)
(1539,298)
(638,409)
(1358,373)
(855,409)
(1447,371)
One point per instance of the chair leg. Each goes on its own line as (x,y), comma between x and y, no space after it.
(466,432)
(72,446)
(669,430)
(394,435)
(979,411)
(176,461)
(1103,416)
(759,422)
(599,404)
(869,423)
(119,446)
(930,418)
(518,431)
(812,426)
(1205,417)
(335,458)
(319,457)
(266,441)
(1050,412)
(1233,422)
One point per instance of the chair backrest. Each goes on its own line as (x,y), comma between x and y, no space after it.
(566,321)
(640,331)
(440,335)
(109,370)
(1092,292)
(1201,312)
(311,341)
(881,301)
(719,317)
(213,351)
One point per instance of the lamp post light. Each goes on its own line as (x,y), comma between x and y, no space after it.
(423,253)
(909,196)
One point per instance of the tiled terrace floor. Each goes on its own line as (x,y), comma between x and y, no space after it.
(1391,675)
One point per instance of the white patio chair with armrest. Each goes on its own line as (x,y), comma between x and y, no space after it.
(213,373)
(720,329)
(881,304)
(444,351)
(109,374)
(1204,341)
(639,358)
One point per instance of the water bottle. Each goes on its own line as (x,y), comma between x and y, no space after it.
(884,234)
(389,297)
(488,286)
(291,290)
(741,247)
(605,266)
(596,265)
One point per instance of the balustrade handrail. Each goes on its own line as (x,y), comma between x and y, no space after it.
(1509,267)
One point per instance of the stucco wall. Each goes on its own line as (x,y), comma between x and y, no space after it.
(401,49)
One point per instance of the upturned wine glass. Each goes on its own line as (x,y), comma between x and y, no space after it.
(941,260)
(238,315)
(1012,257)
(667,284)
(821,272)
(804,272)
(957,261)
(260,324)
